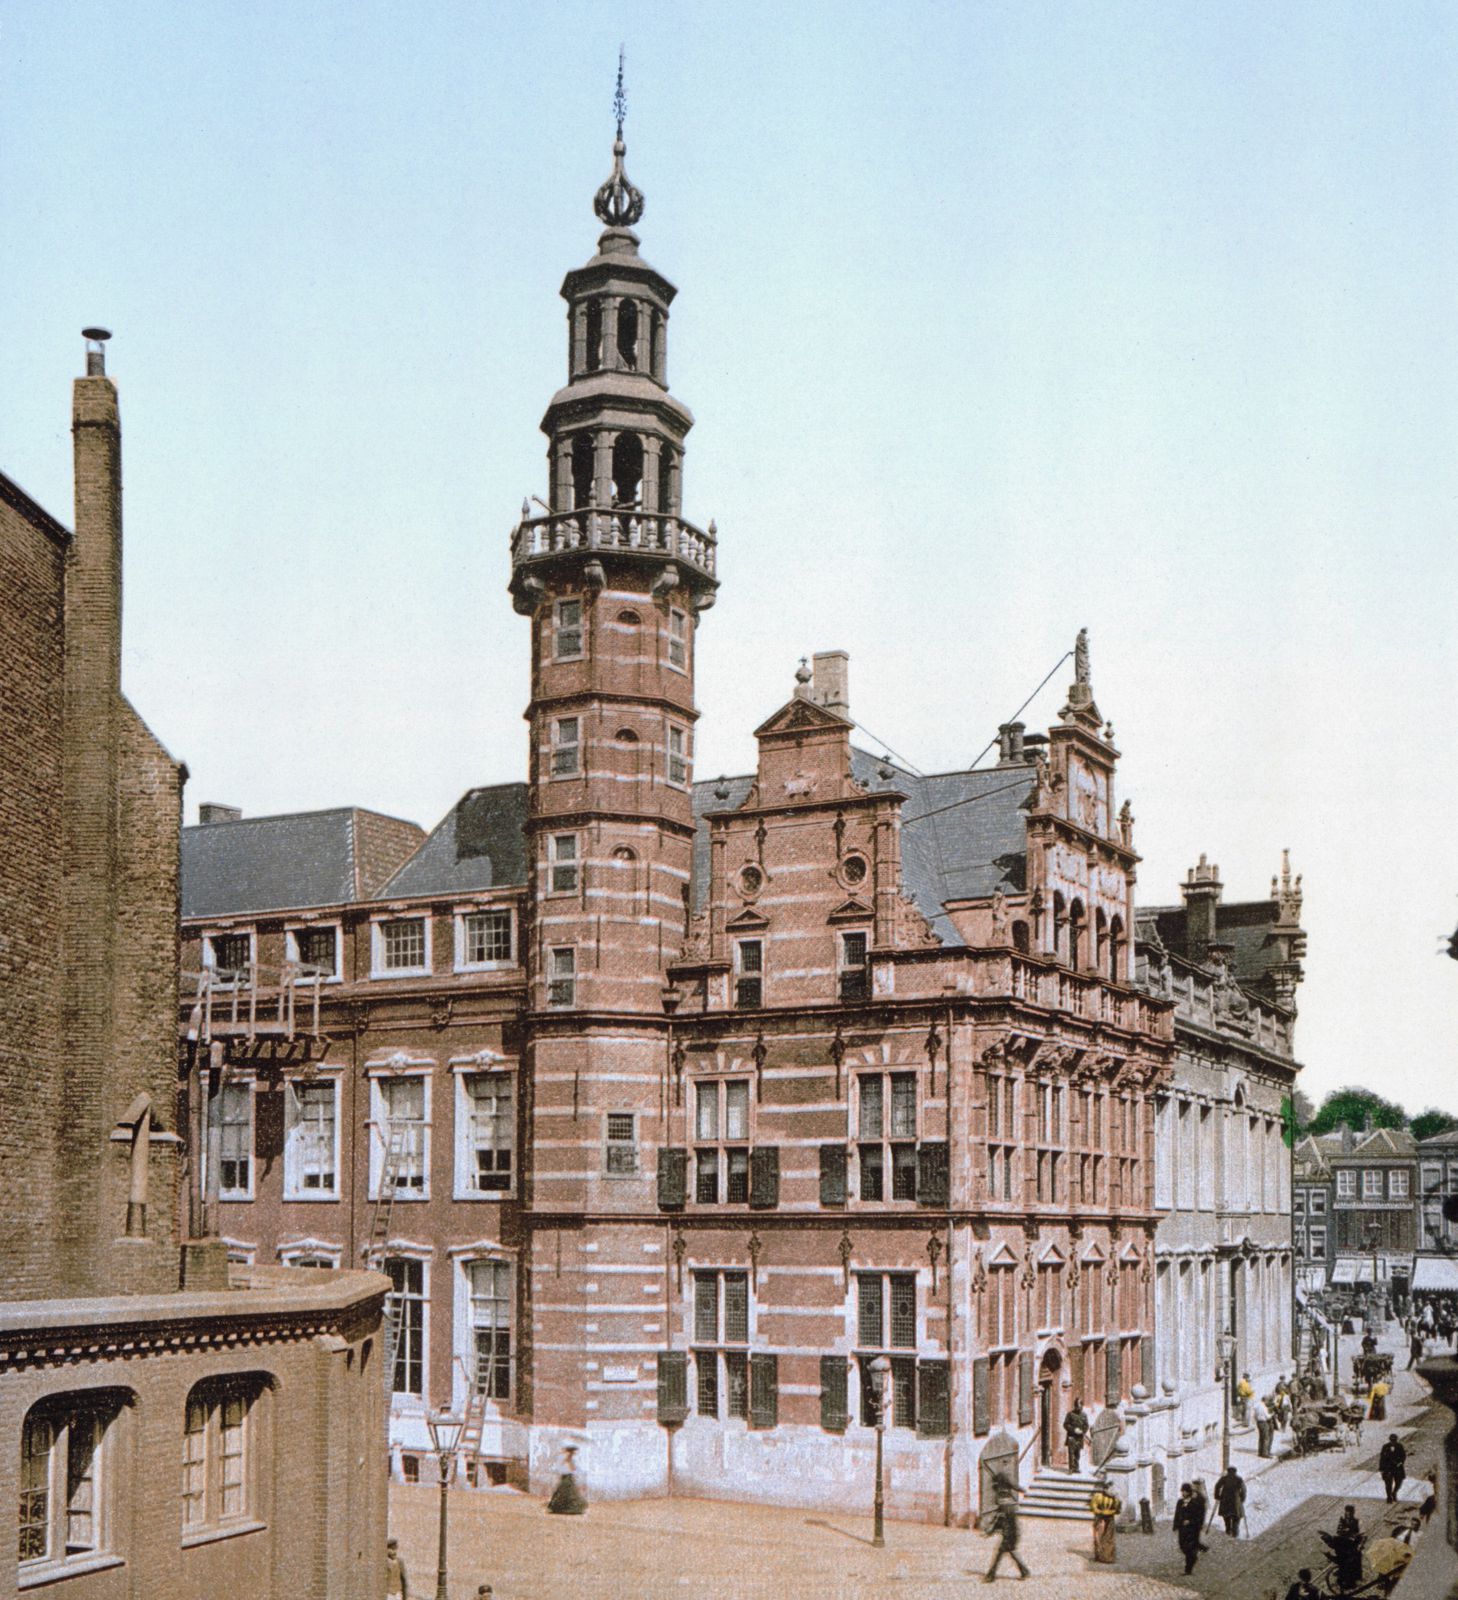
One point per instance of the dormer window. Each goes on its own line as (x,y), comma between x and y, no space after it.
(749,974)
(855,966)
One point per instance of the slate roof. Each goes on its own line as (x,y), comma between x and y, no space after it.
(1384,1144)
(479,844)
(962,835)
(283,863)
(1245,925)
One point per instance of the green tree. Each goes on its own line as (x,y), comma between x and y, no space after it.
(1426,1123)
(1353,1105)
(1302,1110)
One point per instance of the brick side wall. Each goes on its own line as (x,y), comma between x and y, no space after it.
(382,845)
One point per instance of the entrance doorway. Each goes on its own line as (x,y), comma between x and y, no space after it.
(1048,1418)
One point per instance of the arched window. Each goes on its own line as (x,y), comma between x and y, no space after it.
(1021,941)
(581,471)
(69,1479)
(1060,919)
(220,1472)
(1077,925)
(655,345)
(1116,949)
(628,334)
(627,470)
(594,335)
(1100,940)
(665,480)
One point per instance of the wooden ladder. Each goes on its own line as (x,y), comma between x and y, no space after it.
(379,1238)
(475,1423)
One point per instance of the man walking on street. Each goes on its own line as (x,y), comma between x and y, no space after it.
(1230,1499)
(395,1580)
(1075,1432)
(1260,1414)
(1007,1544)
(1187,1517)
(1392,1464)
(1415,1348)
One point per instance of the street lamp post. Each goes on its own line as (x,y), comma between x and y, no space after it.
(1227,1358)
(1374,1233)
(445,1434)
(880,1373)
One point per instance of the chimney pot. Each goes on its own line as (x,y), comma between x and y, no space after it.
(211,811)
(96,350)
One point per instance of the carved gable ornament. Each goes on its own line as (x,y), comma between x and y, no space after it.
(851,910)
(748,921)
(800,716)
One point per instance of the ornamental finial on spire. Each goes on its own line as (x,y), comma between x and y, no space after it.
(618,203)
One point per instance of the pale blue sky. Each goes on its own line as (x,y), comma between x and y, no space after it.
(998,320)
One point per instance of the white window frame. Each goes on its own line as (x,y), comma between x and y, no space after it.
(378,969)
(291,945)
(1346,1184)
(400,1399)
(464,1328)
(677,754)
(1316,1206)
(293,1187)
(610,1144)
(60,1414)
(560,748)
(562,629)
(379,1078)
(568,864)
(560,973)
(209,950)
(678,639)
(464,1186)
(462,938)
(714,1094)
(1316,1240)
(291,1254)
(1372,1183)
(215,1400)
(1399,1185)
(245,1192)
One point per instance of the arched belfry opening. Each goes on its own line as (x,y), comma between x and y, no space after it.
(627,470)
(581,471)
(628,335)
(594,336)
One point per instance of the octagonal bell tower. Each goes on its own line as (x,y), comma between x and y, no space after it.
(614,580)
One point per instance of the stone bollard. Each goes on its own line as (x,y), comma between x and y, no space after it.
(1146,1518)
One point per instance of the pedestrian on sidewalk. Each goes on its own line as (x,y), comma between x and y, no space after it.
(1430,1499)
(1244,1394)
(395,1579)
(1265,1429)
(1006,1524)
(1377,1409)
(1281,1402)
(1186,1526)
(1415,1348)
(1202,1510)
(1075,1432)
(1106,1506)
(1392,1464)
(1230,1499)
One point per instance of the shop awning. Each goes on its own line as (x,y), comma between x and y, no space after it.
(1346,1272)
(1435,1274)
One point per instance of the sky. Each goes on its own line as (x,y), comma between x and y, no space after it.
(997,320)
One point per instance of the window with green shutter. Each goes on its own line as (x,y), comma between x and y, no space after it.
(672,1179)
(981,1398)
(869,1316)
(932,1176)
(764,1391)
(832,1175)
(764,1177)
(1025,1389)
(834,1393)
(672,1386)
(933,1399)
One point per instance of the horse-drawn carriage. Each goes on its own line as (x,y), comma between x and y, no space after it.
(1325,1425)
(1368,1369)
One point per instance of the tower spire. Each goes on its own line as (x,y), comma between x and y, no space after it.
(617,202)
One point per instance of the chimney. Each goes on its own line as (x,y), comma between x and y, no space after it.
(1010,744)
(210,811)
(1346,1135)
(1201,891)
(830,682)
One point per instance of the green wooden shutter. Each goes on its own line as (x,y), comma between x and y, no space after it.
(672,1179)
(933,1399)
(1113,1373)
(981,1406)
(832,1175)
(1025,1389)
(834,1401)
(764,1177)
(672,1386)
(764,1391)
(931,1174)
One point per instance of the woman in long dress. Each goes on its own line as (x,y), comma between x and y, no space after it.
(1106,1506)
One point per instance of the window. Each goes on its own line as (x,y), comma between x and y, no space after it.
(562,856)
(1299,1200)
(311,1155)
(484,938)
(566,747)
(64,1481)
(749,974)
(885,1324)
(1318,1202)
(1371,1183)
(317,1260)
(216,1487)
(721,1340)
(721,1135)
(484,1113)
(562,977)
(402,1115)
(490,1284)
(406,1304)
(855,967)
(567,630)
(1002,1123)
(233,1108)
(1398,1186)
(678,639)
(316,949)
(1346,1185)
(886,1125)
(231,953)
(401,944)
(1048,1098)
(620,1154)
(1050,1295)
(678,754)
(1317,1236)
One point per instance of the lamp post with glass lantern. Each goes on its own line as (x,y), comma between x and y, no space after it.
(445,1435)
(1226,1342)
(880,1370)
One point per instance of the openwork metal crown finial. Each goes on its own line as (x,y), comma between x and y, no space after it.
(618,203)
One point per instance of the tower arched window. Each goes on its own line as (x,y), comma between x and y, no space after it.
(1077,927)
(1116,949)
(1060,921)
(655,344)
(627,470)
(665,480)
(594,335)
(628,334)
(581,471)
(1098,954)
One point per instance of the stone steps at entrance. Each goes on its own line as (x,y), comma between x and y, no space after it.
(1056,1494)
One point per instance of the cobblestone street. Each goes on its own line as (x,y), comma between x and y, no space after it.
(655,1549)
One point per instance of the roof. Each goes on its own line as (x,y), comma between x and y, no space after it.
(962,834)
(1384,1144)
(1440,1141)
(479,844)
(12,495)
(282,863)
(1245,925)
